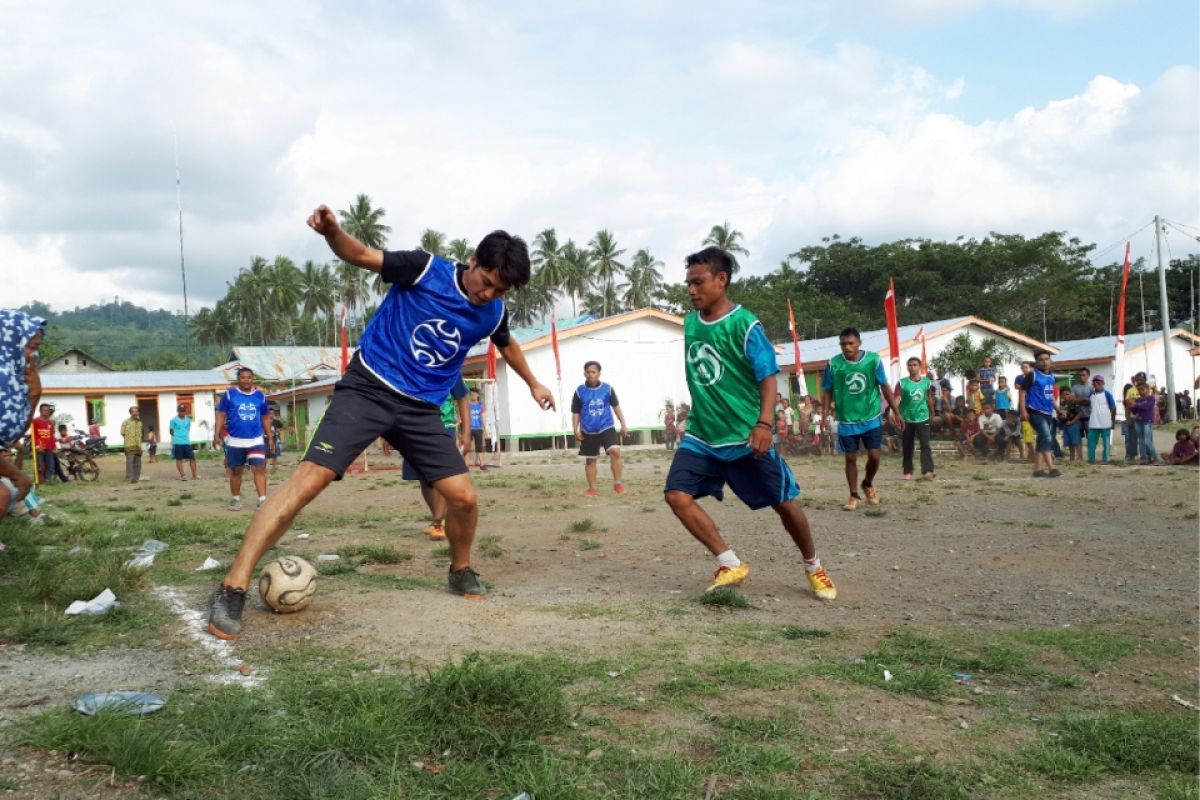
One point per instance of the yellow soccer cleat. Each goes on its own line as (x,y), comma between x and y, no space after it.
(822,584)
(729,576)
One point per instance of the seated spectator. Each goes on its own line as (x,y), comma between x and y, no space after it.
(991,434)
(967,433)
(1012,435)
(1028,438)
(1185,450)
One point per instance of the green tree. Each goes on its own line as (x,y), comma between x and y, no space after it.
(604,253)
(433,242)
(963,355)
(365,224)
(318,297)
(460,250)
(644,284)
(725,237)
(577,263)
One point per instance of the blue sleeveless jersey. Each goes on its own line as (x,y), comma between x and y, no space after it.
(595,414)
(418,339)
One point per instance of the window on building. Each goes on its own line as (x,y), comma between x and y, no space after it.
(95,410)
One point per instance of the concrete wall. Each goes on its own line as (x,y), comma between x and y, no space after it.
(116,411)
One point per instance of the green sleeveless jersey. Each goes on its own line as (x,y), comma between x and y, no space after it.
(914,405)
(856,387)
(720,377)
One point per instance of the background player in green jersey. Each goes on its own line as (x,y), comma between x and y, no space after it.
(916,409)
(852,383)
(731,371)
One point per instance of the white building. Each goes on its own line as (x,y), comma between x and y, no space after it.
(74,360)
(815,353)
(1143,353)
(640,354)
(81,399)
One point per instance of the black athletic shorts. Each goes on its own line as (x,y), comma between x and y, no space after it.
(592,442)
(477,440)
(363,409)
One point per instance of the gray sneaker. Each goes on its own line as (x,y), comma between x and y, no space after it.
(225,612)
(466,582)
(235,504)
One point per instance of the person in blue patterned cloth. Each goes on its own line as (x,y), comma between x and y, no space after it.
(20,390)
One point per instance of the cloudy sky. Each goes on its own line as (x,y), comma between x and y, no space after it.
(880,119)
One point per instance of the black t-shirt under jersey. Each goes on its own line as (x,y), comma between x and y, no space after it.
(403,267)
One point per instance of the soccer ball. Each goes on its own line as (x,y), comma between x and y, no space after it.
(288,584)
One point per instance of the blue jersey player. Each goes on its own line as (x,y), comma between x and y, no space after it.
(408,360)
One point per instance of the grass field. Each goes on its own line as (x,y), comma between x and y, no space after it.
(996,637)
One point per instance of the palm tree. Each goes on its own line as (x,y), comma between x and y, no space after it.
(577,275)
(214,326)
(604,253)
(352,285)
(548,262)
(433,242)
(460,250)
(598,303)
(726,238)
(318,294)
(285,295)
(645,281)
(529,303)
(363,223)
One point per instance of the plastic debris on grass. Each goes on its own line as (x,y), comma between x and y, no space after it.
(133,703)
(143,557)
(100,604)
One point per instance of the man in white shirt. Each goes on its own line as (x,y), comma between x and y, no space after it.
(991,434)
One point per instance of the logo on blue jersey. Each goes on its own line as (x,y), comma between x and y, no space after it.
(247,411)
(706,364)
(435,342)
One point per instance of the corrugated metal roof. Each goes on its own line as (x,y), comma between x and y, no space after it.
(1101,348)
(820,350)
(149,379)
(286,363)
(523,335)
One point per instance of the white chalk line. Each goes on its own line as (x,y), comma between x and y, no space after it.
(196,627)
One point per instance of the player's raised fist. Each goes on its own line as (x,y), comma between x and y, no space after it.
(323,221)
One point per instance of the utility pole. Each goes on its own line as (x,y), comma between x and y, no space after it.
(1165,318)
(187,335)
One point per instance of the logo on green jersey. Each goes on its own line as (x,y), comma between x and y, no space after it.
(856,383)
(705,363)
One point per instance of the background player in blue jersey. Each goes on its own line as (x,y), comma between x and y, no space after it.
(244,425)
(409,358)
(592,410)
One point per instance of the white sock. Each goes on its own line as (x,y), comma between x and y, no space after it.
(235,497)
(262,498)
(729,559)
(812,566)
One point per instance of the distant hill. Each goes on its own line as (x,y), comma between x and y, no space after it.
(124,336)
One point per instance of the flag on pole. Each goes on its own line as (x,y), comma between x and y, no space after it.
(1119,363)
(491,360)
(554,344)
(562,410)
(796,347)
(889,310)
(920,337)
(345,343)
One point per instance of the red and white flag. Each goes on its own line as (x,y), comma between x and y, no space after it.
(796,347)
(889,310)
(345,343)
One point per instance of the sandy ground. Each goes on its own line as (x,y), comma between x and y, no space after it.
(984,547)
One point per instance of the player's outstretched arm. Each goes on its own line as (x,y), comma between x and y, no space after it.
(515,358)
(343,245)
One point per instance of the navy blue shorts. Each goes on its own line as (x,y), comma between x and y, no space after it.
(872,440)
(410,473)
(182,452)
(238,457)
(758,482)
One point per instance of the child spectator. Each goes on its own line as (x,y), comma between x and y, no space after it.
(991,434)
(1185,451)
(1145,408)
(1012,435)
(1071,422)
(974,398)
(1100,420)
(967,433)
(1003,397)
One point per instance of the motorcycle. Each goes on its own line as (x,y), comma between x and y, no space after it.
(77,452)
(92,445)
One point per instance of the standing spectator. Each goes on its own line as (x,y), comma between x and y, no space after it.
(1081,390)
(986,376)
(1071,421)
(477,410)
(916,408)
(1145,411)
(131,434)
(974,398)
(1129,395)
(151,444)
(276,438)
(1037,406)
(1185,402)
(1185,451)
(592,410)
(1102,412)
(181,441)
(244,427)
(669,430)
(789,416)
(852,383)
(991,434)
(48,465)
(1003,397)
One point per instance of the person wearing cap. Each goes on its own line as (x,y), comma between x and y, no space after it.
(1102,410)
(181,442)
(1128,429)
(1038,407)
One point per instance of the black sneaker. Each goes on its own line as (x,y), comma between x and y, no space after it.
(225,612)
(466,582)
(1053,473)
